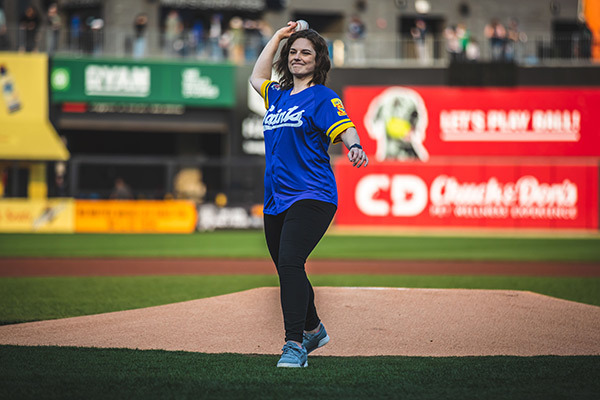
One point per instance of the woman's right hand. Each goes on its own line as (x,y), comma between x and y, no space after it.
(287,30)
(264,63)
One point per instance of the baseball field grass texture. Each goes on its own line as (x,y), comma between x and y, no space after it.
(27,299)
(78,373)
(83,373)
(251,244)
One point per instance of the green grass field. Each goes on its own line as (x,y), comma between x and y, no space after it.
(237,244)
(41,298)
(75,373)
(72,373)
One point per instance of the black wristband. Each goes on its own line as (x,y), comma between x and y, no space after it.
(355,145)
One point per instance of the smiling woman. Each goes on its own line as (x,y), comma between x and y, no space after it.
(301,59)
(303,117)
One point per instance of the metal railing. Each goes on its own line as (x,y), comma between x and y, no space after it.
(375,50)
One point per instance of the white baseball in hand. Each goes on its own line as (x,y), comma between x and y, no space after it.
(301,25)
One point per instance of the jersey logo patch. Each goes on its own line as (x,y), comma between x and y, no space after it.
(337,103)
(282,118)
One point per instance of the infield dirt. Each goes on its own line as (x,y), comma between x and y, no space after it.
(360,321)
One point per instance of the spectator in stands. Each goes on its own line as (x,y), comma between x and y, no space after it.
(452,43)
(472,51)
(253,39)
(266,31)
(54,27)
(60,183)
(496,33)
(76,32)
(121,190)
(418,33)
(173,30)
(140,24)
(96,26)
(514,38)
(3,31)
(214,35)
(463,35)
(234,39)
(357,32)
(29,25)
(197,36)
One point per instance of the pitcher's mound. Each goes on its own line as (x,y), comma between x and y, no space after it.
(360,322)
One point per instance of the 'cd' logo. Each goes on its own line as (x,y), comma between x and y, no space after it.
(407,194)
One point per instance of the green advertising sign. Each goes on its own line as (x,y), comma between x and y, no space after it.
(126,81)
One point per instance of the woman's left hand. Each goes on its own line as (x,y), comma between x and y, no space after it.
(358,157)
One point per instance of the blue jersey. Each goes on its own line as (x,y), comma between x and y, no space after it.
(298,130)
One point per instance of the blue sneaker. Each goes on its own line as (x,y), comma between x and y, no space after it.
(293,356)
(313,341)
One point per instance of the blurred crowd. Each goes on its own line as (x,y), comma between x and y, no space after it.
(207,37)
(218,37)
(238,40)
(505,42)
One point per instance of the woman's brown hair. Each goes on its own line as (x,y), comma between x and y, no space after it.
(322,67)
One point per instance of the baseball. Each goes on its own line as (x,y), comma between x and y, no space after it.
(301,25)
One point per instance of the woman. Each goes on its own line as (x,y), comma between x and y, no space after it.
(302,118)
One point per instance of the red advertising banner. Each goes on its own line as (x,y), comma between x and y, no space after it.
(465,195)
(403,123)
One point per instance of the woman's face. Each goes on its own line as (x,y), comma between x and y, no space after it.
(302,58)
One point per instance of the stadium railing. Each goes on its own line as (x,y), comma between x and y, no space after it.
(375,50)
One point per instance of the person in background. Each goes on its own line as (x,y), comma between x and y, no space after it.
(3,31)
(496,34)
(514,39)
(76,32)
(303,117)
(472,51)
(214,35)
(463,35)
(452,43)
(253,40)
(54,28)
(173,30)
(29,25)
(234,39)
(418,33)
(96,26)
(198,38)
(140,24)
(121,190)
(357,32)
(266,32)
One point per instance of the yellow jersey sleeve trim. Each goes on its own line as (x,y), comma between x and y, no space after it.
(264,92)
(335,125)
(335,134)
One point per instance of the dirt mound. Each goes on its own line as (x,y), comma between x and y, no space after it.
(360,321)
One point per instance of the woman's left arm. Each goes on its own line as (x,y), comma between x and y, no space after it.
(356,154)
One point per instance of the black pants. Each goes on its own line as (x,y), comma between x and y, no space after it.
(291,237)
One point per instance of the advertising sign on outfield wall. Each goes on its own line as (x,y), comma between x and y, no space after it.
(135,216)
(463,195)
(404,123)
(39,216)
(133,81)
